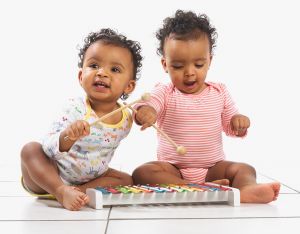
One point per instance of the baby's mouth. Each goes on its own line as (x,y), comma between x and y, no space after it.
(189,83)
(101,84)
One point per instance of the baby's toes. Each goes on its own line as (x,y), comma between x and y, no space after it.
(84,199)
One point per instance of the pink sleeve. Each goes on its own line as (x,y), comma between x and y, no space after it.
(228,111)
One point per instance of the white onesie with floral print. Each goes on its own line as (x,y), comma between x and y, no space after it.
(89,157)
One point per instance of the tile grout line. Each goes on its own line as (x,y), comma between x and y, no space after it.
(280,182)
(108,219)
(51,220)
(226,218)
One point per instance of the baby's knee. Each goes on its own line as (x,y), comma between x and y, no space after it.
(245,166)
(143,170)
(136,173)
(30,150)
(140,170)
(241,167)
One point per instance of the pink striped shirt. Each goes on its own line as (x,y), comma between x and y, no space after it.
(195,122)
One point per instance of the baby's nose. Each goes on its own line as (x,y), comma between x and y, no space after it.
(101,72)
(189,71)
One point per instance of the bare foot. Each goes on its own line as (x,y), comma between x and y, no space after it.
(71,197)
(260,193)
(224,182)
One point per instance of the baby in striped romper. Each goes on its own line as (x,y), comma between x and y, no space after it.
(194,113)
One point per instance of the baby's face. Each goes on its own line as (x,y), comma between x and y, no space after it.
(187,63)
(107,72)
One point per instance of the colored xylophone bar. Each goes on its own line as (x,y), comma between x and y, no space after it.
(163,193)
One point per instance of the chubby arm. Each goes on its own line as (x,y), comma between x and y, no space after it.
(53,143)
(234,124)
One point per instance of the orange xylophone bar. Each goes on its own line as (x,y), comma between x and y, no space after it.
(162,194)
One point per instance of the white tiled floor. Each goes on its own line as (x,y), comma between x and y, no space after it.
(21,213)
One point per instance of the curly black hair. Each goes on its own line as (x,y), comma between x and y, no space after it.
(185,26)
(110,36)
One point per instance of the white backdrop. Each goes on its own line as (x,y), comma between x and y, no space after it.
(257,57)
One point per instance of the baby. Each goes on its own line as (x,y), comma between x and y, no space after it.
(194,113)
(75,155)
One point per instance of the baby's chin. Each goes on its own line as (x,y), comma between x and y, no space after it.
(190,90)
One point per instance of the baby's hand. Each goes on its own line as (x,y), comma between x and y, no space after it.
(76,130)
(146,116)
(239,124)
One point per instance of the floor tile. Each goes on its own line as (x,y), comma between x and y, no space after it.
(288,174)
(10,172)
(57,227)
(30,208)
(205,226)
(13,189)
(265,179)
(288,181)
(287,205)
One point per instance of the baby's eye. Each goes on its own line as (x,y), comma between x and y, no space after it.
(177,66)
(94,65)
(116,69)
(199,65)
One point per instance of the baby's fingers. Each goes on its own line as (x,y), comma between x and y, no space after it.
(71,134)
(76,129)
(246,122)
(79,129)
(86,128)
(240,127)
(83,128)
(236,125)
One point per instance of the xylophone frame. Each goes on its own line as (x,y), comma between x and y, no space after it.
(97,200)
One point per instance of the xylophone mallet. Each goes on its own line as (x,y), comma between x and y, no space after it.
(179,148)
(144,97)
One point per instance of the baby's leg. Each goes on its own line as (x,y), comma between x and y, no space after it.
(224,182)
(243,177)
(40,174)
(110,178)
(157,172)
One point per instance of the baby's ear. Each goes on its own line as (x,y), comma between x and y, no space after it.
(80,76)
(210,59)
(164,64)
(130,87)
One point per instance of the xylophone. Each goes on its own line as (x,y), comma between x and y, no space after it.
(163,193)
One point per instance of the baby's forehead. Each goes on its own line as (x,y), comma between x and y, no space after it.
(100,44)
(178,51)
(200,44)
(187,35)
(108,51)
